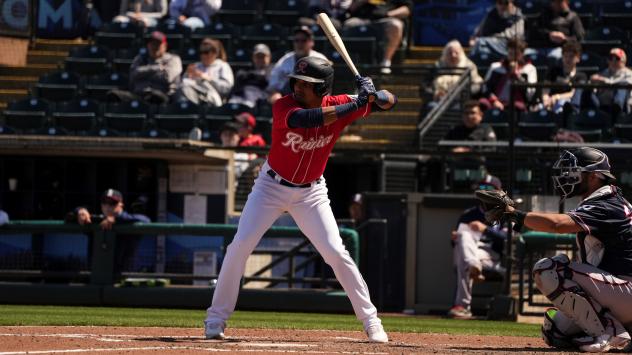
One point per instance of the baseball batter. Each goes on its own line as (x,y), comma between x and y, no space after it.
(593,295)
(306,124)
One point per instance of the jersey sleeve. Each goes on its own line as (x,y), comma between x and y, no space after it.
(282,109)
(594,218)
(348,119)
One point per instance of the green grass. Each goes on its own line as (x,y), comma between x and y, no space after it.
(149,317)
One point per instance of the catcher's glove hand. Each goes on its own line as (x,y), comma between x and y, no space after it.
(494,204)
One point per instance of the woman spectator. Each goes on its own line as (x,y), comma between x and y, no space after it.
(564,72)
(145,12)
(211,79)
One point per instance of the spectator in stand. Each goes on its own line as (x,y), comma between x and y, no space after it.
(251,84)
(247,124)
(564,72)
(145,12)
(154,75)
(279,84)
(211,79)
(556,25)
(477,246)
(503,22)
(335,9)
(229,134)
(194,13)
(500,74)
(471,128)
(4,217)
(389,15)
(613,101)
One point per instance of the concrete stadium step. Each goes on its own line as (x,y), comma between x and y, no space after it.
(402,90)
(396,134)
(424,52)
(17,82)
(46,57)
(8,95)
(31,70)
(57,44)
(393,117)
(415,61)
(408,104)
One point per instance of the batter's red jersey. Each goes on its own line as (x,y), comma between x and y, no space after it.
(300,155)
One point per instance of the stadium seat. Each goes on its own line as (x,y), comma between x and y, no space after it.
(538,126)
(585,10)
(592,125)
(177,34)
(241,12)
(601,39)
(622,129)
(123,58)
(117,35)
(363,41)
(58,86)
(177,118)
(499,120)
(88,60)
(617,14)
(484,60)
(28,115)
(98,86)
(590,63)
(264,128)
(285,12)
(188,56)
(269,33)
(240,58)
(539,60)
(125,118)
(215,117)
(228,33)
(530,8)
(78,116)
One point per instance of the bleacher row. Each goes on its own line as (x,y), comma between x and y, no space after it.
(88,117)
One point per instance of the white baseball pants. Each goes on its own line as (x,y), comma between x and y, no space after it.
(311,210)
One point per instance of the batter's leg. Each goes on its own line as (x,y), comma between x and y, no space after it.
(314,217)
(264,205)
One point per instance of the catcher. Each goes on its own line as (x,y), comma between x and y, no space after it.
(593,295)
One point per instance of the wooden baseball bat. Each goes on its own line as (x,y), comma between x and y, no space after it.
(334,38)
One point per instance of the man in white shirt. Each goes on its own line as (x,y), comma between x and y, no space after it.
(278,85)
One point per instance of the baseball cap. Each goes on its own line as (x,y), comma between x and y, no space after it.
(619,53)
(304,29)
(112,195)
(261,48)
(246,118)
(157,36)
(489,182)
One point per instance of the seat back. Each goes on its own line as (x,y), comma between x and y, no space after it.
(274,35)
(241,12)
(127,118)
(284,11)
(58,86)
(98,86)
(27,115)
(178,117)
(363,41)
(499,121)
(177,34)
(88,60)
(78,115)
(119,35)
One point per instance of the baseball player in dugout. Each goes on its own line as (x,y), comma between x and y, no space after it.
(593,294)
(306,124)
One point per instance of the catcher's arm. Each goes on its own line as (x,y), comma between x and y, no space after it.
(548,222)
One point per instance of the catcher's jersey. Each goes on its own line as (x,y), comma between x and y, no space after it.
(606,239)
(300,155)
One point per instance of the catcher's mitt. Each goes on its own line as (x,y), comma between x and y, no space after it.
(494,203)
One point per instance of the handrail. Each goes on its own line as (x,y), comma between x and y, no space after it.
(445,103)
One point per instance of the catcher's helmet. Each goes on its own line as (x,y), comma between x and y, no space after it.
(314,70)
(569,167)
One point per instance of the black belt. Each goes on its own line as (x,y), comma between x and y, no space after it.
(284,182)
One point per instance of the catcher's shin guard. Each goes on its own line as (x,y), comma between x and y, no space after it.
(553,278)
(558,330)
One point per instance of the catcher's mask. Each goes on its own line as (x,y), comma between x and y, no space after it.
(569,167)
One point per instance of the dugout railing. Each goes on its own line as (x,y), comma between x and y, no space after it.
(102,266)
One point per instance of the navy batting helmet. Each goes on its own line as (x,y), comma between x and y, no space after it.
(314,70)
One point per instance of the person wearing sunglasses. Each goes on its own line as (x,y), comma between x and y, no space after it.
(279,83)
(609,100)
(477,246)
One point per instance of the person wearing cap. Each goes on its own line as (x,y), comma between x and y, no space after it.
(250,84)
(617,73)
(247,124)
(556,24)
(194,13)
(154,75)
(112,212)
(477,246)
(229,134)
(145,12)
(389,15)
(303,43)
(211,79)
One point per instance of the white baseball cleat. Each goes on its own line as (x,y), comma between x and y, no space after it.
(214,331)
(376,334)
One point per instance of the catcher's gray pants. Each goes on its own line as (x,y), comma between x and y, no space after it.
(467,254)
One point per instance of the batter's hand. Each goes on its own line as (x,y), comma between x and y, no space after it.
(365,85)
